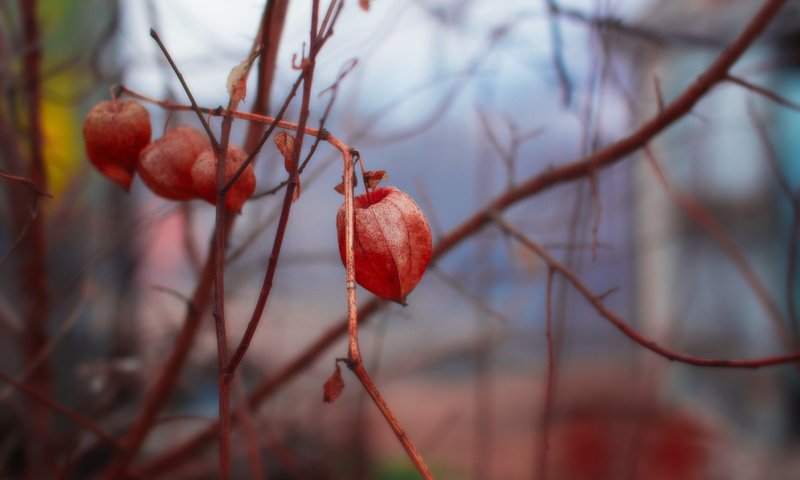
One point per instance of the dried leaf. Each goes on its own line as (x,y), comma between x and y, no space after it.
(364,5)
(333,386)
(340,188)
(373,177)
(285,143)
(237,79)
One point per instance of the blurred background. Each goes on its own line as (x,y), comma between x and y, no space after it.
(694,245)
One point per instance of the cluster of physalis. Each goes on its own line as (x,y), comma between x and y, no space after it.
(181,165)
(392,244)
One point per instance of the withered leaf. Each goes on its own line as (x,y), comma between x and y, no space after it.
(285,143)
(237,79)
(340,187)
(333,386)
(373,177)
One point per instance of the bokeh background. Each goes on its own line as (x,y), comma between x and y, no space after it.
(458,101)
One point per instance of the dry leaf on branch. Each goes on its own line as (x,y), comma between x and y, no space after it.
(333,386)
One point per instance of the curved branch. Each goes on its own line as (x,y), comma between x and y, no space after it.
(597,302)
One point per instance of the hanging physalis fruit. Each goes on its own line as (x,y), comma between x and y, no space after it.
(204,177)
(392,242)
(115,131)
(166,164)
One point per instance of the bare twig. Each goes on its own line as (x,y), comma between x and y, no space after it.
(547,409)
(178,74)
(705,221)
(557,49)
(33,268)
(763,91)
(629,331)
(793,197)
(75,417)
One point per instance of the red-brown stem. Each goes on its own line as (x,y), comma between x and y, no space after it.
(597,302)
(262,391)
(269,36)
(617,151)
(160,392)
(763,91)
(794,200)
(251,117)
(283,221)
(361,373)
(51,404)
(547,409)
(186,89)
(364,178)
(33,271)
(219,303)
(250,432)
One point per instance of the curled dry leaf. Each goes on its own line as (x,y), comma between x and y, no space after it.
(392,242)
(373,177)
(237,79)
(333,386)
(340,186)
(204,177)
(285,143)
(115,131)
(166,164)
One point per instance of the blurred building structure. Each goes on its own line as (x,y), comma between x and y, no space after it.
(729,171)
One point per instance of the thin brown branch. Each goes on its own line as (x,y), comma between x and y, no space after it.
(160,391)
(547,409)
(33,268)
(178,74)
(626,329)
(361,373)
(618,150)
(793,197)
(75,417)
(249,430)
(268,41)
(763,92)
(705,221)
(557,49)
(266,286)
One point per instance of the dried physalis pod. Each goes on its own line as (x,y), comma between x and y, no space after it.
(166,164)
(204,177)
(391,244)
(115,131)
